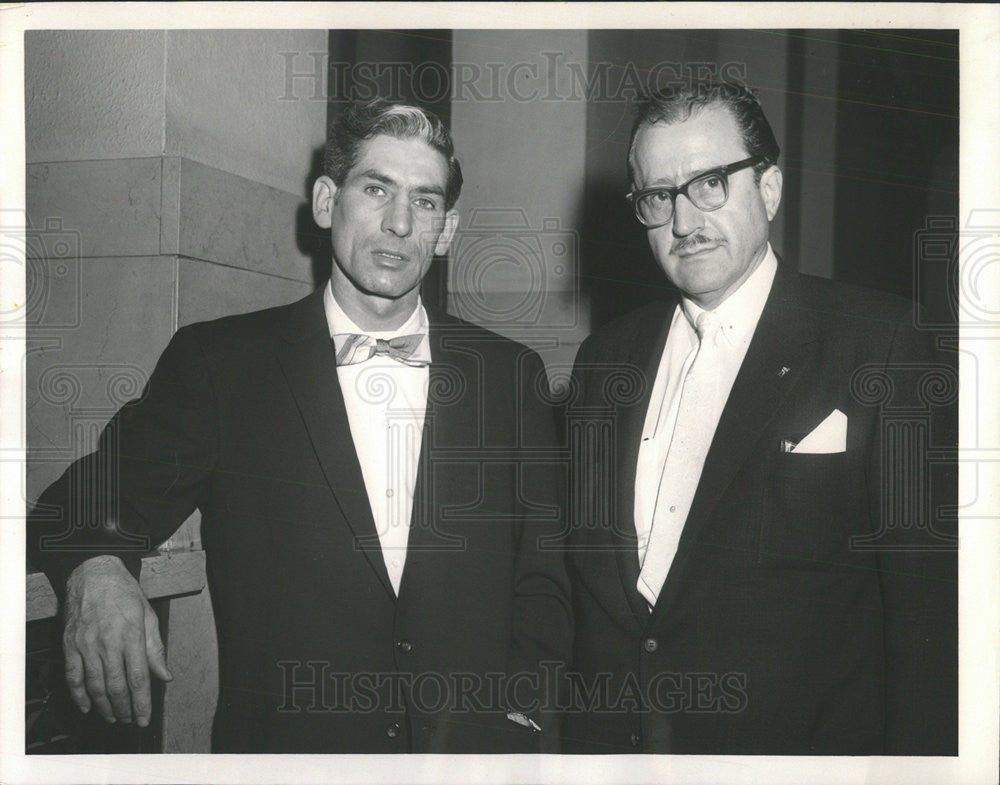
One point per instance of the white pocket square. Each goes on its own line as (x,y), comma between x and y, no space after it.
(828,437)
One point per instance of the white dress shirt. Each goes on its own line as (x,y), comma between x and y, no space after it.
(739,314)
(386,401)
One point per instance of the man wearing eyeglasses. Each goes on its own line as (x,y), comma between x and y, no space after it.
(762,564)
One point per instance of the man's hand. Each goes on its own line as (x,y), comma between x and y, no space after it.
(111,642)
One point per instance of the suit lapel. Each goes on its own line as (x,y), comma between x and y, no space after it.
(307,359)
(453,419)
(644,352)
(782,343)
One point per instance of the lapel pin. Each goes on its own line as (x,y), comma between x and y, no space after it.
(783,371)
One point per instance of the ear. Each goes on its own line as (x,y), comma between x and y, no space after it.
(447,233)
(770,191)
(324,196)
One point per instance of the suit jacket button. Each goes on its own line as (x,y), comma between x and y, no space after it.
(393,730)
(650,645)
(404,646)
(636,739)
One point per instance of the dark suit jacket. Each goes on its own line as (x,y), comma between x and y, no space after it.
(244,419)
(811,607)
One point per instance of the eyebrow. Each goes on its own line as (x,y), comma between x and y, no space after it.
(374,174)
(697,173)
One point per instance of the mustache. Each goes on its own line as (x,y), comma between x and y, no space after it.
(692,241)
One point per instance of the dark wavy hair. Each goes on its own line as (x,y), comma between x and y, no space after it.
(676,104)
(361,121)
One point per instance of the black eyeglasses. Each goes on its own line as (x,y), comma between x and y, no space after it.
(708,191)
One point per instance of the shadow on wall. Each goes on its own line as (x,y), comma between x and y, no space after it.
(617,270)
(311,240)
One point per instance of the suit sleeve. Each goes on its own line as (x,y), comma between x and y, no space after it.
(918,555)
(542,623)
(150,471)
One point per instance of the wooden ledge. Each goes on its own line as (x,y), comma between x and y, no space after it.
(163,575)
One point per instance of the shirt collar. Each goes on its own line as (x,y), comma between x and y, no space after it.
(741,310)
(338,322)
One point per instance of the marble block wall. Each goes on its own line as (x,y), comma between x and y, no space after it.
(167,183)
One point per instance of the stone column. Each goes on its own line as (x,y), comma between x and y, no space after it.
(167,182)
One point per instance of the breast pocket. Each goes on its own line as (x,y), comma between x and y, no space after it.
(804,521)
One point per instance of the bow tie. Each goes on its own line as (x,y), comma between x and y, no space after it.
(356,348)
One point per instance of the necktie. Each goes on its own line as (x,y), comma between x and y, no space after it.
(692,435)
(356,348)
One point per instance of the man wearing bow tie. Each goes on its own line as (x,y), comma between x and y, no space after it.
(765,563)
(377,486)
